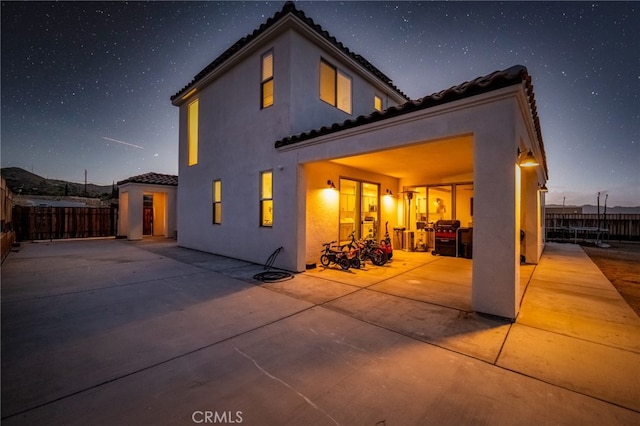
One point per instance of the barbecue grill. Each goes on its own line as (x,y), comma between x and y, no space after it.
(446,241)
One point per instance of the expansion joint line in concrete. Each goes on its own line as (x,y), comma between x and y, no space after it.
(506,336)
(89,290)
(526,287)
(399,273)
(154,365)
(555,385)
(368,287)
(504,342)
(377,282)
(416,300)
(582,339)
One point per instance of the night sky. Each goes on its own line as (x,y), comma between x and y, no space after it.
(86,85)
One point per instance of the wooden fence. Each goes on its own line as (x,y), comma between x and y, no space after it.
(618,227)
(50,223)
(47,223)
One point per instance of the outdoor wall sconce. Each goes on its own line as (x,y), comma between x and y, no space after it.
(331,184)
(543,188)
(529,160)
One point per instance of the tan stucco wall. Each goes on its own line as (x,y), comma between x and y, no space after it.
(322,203)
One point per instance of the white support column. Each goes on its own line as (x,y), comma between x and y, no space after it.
(301,222)
(136,202)
(172,211)
(496,233)
(123,213)
(160,214)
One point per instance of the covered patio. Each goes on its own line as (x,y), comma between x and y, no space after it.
(434,292)
(477,144)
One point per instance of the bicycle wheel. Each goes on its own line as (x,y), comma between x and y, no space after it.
(355,262)
(344,263)
(324,260)
(378,257)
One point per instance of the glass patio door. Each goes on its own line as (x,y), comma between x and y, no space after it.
(359,209)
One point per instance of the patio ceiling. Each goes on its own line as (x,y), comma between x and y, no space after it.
(423,162)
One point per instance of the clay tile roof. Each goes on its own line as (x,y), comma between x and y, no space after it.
(517,74)
(152,179)
(288,8)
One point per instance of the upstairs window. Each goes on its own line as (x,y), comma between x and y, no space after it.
(335,87)
(377,103)
(266,198)
(267,80)
(192,133)
(217,202)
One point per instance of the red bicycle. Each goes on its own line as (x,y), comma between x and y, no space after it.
(366,249)
(386,243)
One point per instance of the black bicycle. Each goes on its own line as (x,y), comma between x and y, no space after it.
(338,257)
(366,249)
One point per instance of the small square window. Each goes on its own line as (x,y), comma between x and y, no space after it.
(377,103)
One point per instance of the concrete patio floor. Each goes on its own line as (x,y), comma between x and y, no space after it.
(116,332)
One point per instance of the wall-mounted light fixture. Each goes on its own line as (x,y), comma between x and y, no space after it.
(542,188)
(529,160)
(389,193)
(331,184)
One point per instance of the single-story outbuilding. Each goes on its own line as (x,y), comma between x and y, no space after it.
(147,206)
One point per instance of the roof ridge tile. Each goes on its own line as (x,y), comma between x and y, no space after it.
(152,178)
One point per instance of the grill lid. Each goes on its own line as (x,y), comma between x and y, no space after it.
(448,224)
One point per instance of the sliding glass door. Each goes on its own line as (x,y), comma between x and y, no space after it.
(359,209)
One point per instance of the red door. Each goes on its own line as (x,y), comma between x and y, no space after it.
(147,214)
(147,221)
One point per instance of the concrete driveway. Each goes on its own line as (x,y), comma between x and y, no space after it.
(115,332)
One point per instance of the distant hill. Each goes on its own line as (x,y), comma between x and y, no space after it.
(26,183)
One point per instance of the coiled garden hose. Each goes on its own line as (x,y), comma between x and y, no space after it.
(270,276)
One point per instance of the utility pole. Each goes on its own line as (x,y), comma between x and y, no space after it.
(598,214)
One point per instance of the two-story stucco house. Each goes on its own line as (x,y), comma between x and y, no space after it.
(289,139)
